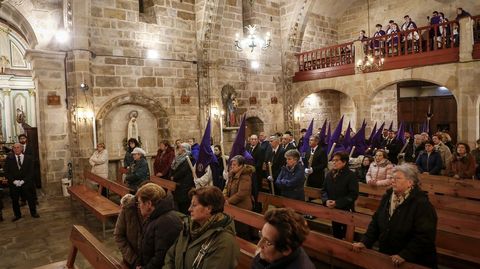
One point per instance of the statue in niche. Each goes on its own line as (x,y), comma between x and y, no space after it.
(132,130)
(20,121)
(4,63)
(230,105)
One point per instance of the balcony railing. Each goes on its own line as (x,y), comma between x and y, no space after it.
(434,44)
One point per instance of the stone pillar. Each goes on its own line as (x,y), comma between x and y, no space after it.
(7,101)
(48,72)
(359,54)
(32,116)
(466,39)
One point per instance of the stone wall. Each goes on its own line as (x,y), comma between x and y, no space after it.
(327,105)
(355,18)
(320,31)
(384,106)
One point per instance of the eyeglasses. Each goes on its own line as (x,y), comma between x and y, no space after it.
(263,241)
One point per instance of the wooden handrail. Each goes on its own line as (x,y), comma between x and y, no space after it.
(105,183)
(164,183)
(92,250)
(317,243)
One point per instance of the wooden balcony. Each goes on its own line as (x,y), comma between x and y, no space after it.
(429,45)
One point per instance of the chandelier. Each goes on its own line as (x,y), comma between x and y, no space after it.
(370,63)
(252,40)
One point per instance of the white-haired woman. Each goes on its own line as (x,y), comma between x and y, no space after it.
(182,175)
(405,223)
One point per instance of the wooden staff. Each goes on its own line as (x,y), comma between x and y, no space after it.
(271,175)
(191,167)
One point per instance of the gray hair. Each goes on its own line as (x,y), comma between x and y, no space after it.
(239,159)
(274,138)
(186,147)
(293,153)
(410,172)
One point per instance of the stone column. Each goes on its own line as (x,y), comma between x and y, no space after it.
(32,116)
(7,101)
(466,39)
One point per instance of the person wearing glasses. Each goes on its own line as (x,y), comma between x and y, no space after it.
(340,190)
(281,239)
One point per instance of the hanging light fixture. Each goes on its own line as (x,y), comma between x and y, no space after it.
(252,40)
(370,63)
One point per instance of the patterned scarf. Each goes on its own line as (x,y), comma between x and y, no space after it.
(179,159)
(196,230)
(397,199)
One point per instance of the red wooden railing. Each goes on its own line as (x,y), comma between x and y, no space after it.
(476,37)
(426,45)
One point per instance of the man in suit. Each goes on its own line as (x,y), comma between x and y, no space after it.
(276,157)
(19,173)
(315,163)
(288,141)
(263,141)
(28,150)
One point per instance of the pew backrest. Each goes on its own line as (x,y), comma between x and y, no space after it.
(105,183)
(164,183)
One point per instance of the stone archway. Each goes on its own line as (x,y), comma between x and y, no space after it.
(11,16)
(149,104)
(325,104)
(254,125)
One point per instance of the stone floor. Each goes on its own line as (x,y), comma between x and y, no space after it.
(29,242)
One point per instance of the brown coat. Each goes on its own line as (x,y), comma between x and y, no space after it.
(238,191)
(128,231)
(463,167)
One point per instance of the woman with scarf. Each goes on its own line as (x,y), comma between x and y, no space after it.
(340,190)
(219,181)
(163,160)
(380,171)
(161,226)
(182,174)
(291,179)
(463,163)
(208,236)
(405,223)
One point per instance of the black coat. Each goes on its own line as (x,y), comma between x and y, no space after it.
(393,147)
(258,155)
(160,231)
(25,173)
(409,151)
(409,232)
(298,259)
(343,189)
(278,161)
(182,175)
(319,163)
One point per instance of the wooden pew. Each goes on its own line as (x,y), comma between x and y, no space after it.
(100,206)
(121,171)
(458,234)
(91,249)
(450,180)
(318,245)
(247,253)
(169,185)
(352,220)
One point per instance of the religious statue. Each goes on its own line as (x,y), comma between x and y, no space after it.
(230,104)
(20,119)
(4,63)
(132,130)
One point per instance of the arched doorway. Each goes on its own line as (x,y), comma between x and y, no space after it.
(323,105)
(410,102)
(254,125)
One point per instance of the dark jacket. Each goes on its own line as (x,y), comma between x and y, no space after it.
(298,259)
(258,155)
(222,252)
(128,159)
(137,173)
(342,188)
(25,173)
(409,152)
(291,182)
(128,231)
(160,231)
(319,163)
(430,163)
(409,232)
(277,160)
(361,173)
(163,161)
(195,152)
(463,167)
(182,175)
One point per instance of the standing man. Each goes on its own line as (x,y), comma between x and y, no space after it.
(315,163)
(277,159)
(258,155)
(28,150)
(19,173)
(444,151)
(300,141)
(264,143)
(289,142)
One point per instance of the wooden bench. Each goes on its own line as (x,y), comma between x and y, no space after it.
(91,249)
(458,234)
(320,246)
(169,185)
(121,171)
(100,206)
(352,220)
(450,180)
